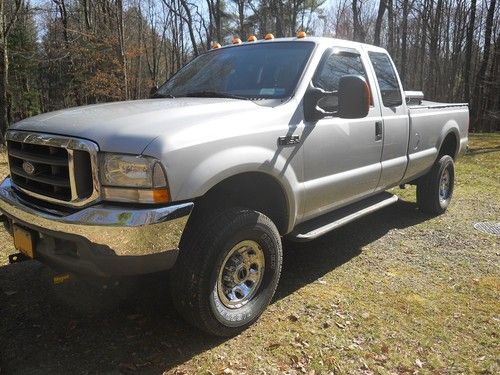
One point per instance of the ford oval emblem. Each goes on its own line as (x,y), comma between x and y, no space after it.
(28,168)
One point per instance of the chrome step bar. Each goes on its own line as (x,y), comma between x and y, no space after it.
(315,228)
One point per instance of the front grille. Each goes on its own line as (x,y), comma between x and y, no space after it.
(50,176)
(52,168)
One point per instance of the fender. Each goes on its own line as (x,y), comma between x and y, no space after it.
(233,161)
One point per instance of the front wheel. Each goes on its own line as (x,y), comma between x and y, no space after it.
(435,189)
(228,270)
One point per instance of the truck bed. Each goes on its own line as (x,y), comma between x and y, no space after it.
(427,104)
(429,122)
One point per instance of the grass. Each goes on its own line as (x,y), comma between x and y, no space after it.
(394,293)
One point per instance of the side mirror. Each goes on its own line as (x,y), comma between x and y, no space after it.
(354,97)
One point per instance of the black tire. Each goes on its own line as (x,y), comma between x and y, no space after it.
(431,198)
(195,279)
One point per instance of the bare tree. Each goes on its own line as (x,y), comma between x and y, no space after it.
(468,50)
(484,62)
(7,22)
(378,23)
(358,33)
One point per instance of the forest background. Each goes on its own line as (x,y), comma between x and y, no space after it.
(61,53)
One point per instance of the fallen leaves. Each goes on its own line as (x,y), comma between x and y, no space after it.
(293,318)
(419,363)
(273,346)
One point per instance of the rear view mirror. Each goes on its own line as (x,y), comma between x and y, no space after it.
(354,97)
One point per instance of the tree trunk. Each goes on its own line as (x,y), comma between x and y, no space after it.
(378,23)
(493,103)
(279,18)
(390,37)
(5,28)
(241,18)
(358,34)
(4,81)
(468,50)
(121,39)
(477,100)
(404,36)
(189,21)
(433,50)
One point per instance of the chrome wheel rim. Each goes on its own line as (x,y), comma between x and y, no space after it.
(444,186)
(241,274)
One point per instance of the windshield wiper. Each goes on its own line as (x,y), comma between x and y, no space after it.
(214,94)
(157,95)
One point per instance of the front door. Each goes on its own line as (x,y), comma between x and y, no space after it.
(341,156)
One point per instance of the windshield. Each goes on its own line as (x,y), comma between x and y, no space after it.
(250,71)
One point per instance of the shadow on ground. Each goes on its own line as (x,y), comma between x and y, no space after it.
(77,328)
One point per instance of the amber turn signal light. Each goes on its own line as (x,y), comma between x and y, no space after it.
(215,45)
(236,41)
(252,38)
(269,36)
(161,196)
(301,34)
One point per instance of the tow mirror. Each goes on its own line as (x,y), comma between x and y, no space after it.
(354,97)
(351,100)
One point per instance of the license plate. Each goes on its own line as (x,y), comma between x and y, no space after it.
(23,241)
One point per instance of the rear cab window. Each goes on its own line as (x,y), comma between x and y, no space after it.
(387,79)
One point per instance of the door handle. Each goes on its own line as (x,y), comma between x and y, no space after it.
(378,131)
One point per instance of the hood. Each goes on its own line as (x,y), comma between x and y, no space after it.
(130,126)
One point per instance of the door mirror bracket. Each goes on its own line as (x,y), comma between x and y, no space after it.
(312,112)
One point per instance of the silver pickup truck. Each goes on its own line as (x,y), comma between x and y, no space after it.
(245,145)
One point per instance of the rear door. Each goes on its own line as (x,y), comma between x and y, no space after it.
(395,118)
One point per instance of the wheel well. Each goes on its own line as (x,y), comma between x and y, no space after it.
(254,190)
(449,146)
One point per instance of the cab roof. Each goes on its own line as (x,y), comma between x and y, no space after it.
(315,39)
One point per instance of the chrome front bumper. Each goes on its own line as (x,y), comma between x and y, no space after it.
(101,236)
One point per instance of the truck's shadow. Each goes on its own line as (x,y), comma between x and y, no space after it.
(74,328)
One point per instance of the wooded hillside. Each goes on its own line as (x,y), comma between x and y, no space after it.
(63,53)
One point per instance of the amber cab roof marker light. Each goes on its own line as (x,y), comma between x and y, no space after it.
(301,34)
(215,45)
(236,40)
(252,38)
(269,36)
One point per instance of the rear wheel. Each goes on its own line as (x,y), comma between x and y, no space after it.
(228,270)
(435,189)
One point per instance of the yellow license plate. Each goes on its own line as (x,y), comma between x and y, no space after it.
(23,241)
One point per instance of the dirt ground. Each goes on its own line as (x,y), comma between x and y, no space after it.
(397,292)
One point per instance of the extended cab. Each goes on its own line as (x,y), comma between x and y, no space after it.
(244,145)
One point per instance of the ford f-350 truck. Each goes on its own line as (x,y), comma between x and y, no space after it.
(245,145)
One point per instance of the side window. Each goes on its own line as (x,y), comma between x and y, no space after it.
(386,78)
(332,69)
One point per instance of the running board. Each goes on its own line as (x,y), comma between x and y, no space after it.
(317,227)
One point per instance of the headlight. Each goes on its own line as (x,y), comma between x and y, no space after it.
(130,178)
